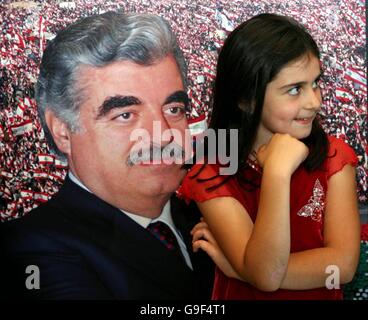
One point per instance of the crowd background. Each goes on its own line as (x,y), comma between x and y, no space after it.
(30,174)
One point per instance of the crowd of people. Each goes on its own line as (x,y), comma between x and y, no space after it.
(29,174)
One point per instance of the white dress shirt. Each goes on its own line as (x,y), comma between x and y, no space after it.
(165,217)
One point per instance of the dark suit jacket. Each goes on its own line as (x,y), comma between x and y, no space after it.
(88,249)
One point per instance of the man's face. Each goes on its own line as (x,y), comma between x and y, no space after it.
(120,99)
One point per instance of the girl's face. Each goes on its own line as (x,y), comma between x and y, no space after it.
(292,100)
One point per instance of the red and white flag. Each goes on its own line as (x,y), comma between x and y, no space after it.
(209,71)
(224,21)
(57,176)
(41,196)
(20,40)
(20,109)
(195,102)
(61,164)
(343,95)
(6,174)
(28,102)
(45,158)
(26,194)
(197,125)
(22,128)
(37,174)
(41,26)
(357,77)
(6,192)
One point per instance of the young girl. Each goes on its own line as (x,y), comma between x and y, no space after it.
(286,225)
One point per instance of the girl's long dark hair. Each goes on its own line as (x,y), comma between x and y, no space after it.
(252,56)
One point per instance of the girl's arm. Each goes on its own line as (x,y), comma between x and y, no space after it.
(259,253)
(307,269)
(232,228)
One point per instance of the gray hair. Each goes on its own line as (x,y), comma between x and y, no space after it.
(98,41)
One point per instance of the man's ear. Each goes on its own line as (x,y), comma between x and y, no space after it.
(59,131)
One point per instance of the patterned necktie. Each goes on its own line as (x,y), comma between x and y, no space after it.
(163,233)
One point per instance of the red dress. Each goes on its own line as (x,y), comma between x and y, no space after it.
(308,191)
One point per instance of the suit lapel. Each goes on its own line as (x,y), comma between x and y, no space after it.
(112,230)
(186,216)
(183,221)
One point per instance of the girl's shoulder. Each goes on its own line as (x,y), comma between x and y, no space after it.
(204,182)
(339,155)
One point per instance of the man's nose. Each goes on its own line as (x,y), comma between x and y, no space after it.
(160,129)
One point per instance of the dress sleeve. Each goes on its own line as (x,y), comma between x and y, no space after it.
(339,155)
(203,182)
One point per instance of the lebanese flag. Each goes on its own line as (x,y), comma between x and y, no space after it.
(41,196)
(61,164)
(45,158)
(57,176)
(26,194)
(22,128)
(356,76)
(20,109)
(197,125)
(27,102)
(41,26)
(343,95)
(6,174)
(37,174)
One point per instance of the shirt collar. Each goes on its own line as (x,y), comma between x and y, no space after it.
(165,215)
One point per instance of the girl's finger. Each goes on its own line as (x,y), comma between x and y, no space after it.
(205,234)
(217,256)
(199,226)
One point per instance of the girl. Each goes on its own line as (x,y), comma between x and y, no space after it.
(286,225)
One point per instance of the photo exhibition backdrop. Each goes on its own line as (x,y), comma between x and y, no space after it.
(30,174)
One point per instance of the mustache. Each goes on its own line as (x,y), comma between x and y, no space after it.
(171,153)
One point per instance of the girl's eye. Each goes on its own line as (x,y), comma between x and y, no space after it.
(294,91)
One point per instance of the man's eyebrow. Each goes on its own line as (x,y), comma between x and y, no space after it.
(178,96)
(111,103)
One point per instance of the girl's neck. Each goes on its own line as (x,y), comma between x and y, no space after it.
(261,139)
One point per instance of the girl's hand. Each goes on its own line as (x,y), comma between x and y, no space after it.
(283,153)
(203,239)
